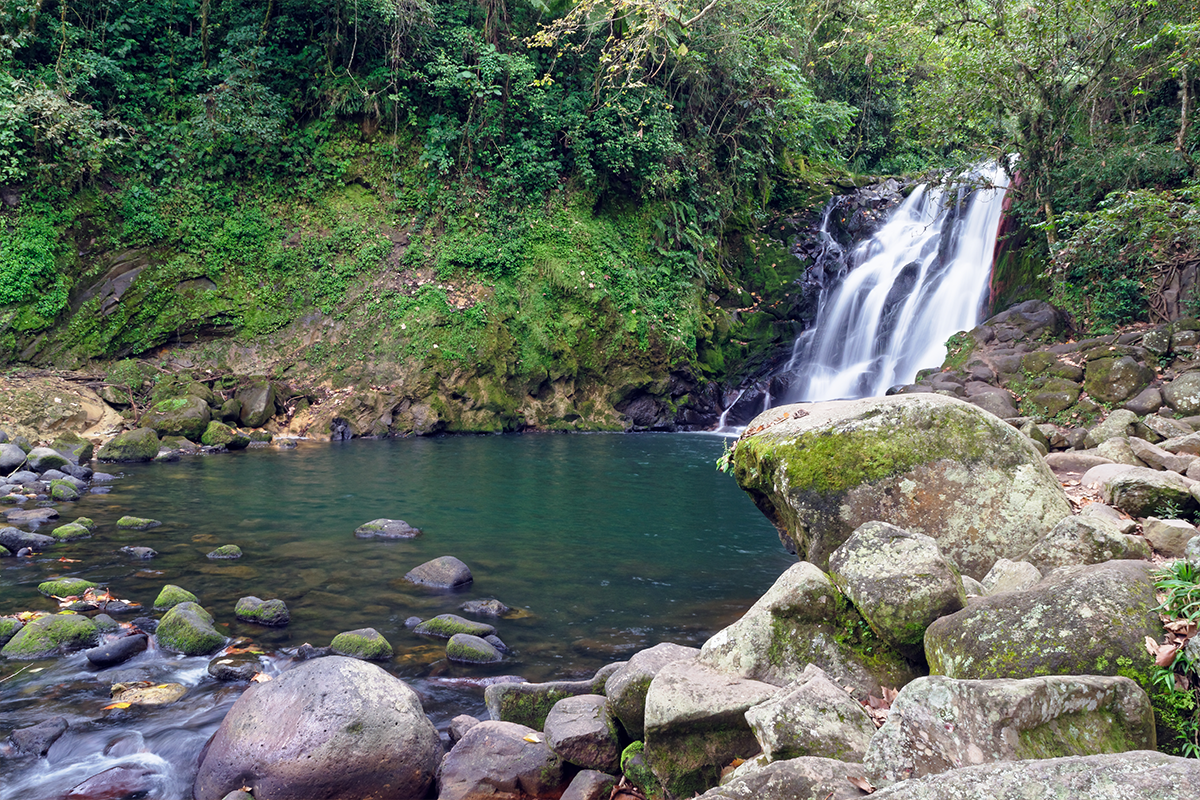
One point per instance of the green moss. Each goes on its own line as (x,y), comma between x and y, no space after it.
(635,768)
(171,596)
(131,523)
(70,532)
(65,587)
(170,404)
(50,635)
(187,628)
(365,643)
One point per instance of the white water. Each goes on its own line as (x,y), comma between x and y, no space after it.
(907,290)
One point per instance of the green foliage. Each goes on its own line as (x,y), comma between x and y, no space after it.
(29,253)
(1177,687)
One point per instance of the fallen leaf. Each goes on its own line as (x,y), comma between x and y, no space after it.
(533,737)
(1151,646)
(861,783)
(118,705)
(66,560)
(1165,656)
(261,677)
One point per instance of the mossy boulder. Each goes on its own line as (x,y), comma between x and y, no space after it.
(187,628)
(179,416)
(73,447)
(70,532)
(63,491)
(51,635)
(926,463)
(804,619)
(1112,380)
(1048,396)
(447,625)
(131,523)
(467,649)
(258,402)
(626,687)
(42,459)
(65,587)
(218,434)
(1090,620)
(8,628)
(226,551)
(529,703)
(171,596)
(364,643)
(140,444)
(1143,492)
(264,612)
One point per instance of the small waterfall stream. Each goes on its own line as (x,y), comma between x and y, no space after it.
(905,291)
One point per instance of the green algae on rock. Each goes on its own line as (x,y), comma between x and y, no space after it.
(171,596)
(51,635)
(187,628)
(131,523)
(364,643)
(65,587)
(926,463)
(136,445)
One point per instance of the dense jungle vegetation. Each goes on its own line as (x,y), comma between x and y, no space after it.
(555,185)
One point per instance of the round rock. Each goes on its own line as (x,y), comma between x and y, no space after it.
(386,529)
(446,572)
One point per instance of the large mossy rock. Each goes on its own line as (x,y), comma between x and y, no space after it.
(1090,620)
(335,728)
(1111,380)
(1144,492)
(803,619)
(365,643)
(530,703)
(218,434)
(939,723)
(49,636)
(179,416)
(136,445)
(42,459)
(899,581)
(187,628)
(925,463)
(258,402)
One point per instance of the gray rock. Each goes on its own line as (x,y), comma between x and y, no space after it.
(696,724)
(187,628)
(1085,540)
(459,726)
(1141,492)
(22,476)
(386,529)
(1144,402)
(467,649)
(626,688)
(899,581)
(258,402)
(1169,537)
(16,540)
(446,625)
(42,459)
(998,403)
(488,608)
(939,723)
(11,457)
(352,730)
(1167,428)
(446,572)
(1118,450)
(801,620)
(1183,393)
(1010,576)
(582,731)
(143,553)
(499,760)
(796,778)
(1157,458)
(1138,775)
(925,463)
(1075,462)
(972,587)
(529,703)
(264,612)
(1052,628)
(812,717)
(36,740)
(1124,524)
(1118,423)
(1188,444)
(589,784)
(32,517)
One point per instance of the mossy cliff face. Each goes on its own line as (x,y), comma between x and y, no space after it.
(925,463)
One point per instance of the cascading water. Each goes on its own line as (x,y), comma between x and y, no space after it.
(915,283)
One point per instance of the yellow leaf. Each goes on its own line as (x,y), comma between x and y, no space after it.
(118,705)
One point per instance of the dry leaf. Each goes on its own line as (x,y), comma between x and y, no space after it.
(118,705)
(261,677)
(861,783)
(533,737)
(1165,656)
(1151,647)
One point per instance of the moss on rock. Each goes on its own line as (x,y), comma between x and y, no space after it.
(171,596)
(364,643)
(131,523)
(65,587)
(187,628)
(51,635)
(136,445)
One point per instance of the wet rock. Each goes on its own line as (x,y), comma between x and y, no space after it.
(446,572)
(626,688)
(899,581)
(65,587)
(187,628)
(938,723)
(118,651)
(353,731)
(1010,576)
(30,516)
(386,529)
(582,731)
(63,492)
(459,726)
(70,532)
(365,643)
(131,523)
(264,612)
(500,760)
(487,608)
(218,434)
(226,551)
(258,402)
(50,636)
(8,628)
(117,783)
(136,445)
(161,694)
(143,553)
(467,649)
(1168,537)
(812,717)
(529,703)
(235,667)
(17,540)
(171,596)
(447,625)
(823,778)
(36,740)
(925,463)
(1085,540)
(1051,629)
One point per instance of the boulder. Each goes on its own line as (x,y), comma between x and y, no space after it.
(131,523)
(1137,775)
(30,516)
(1157,458)
(218,434)
(65,587)
(8,629)
(490,607)
(226,551)
(235,667)
(696,724)
(1085,540)
(499,761)
(1010,576)
(16,540)
(446,572)
(939,723)
(1168,537)
(42,459)
(1118,451)
(1048,396)
(626,688)
(386,529)
(1142,492)
(186,416)
(258,402)
(1113,380)
(459,726)
(530,703)
(36,739)
(818,778)
(117,651)
(899,581)
(136,445)
(925,463)
(264,612)
(467,649)
(1187,443)
(446,625)
(1183,394)
(62,492)
(335,728)
(51,636)
(11,457)
(589,784)
(1147,401)
(812,717)
(171,596)
(1090,620)
(582,731)
(1165,427)
(187,628)
(1123,522)
(70,532)
(365,643)
(803,619)
(998,403)
(1118,423)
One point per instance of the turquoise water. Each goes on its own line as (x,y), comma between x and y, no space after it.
(602,545)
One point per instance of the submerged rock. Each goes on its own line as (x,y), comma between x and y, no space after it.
(386,529)
(226,551)
(118,651)
(923,462)
(131,523)
(353,731)
(36,739)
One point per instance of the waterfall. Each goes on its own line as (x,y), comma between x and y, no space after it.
(905,291)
